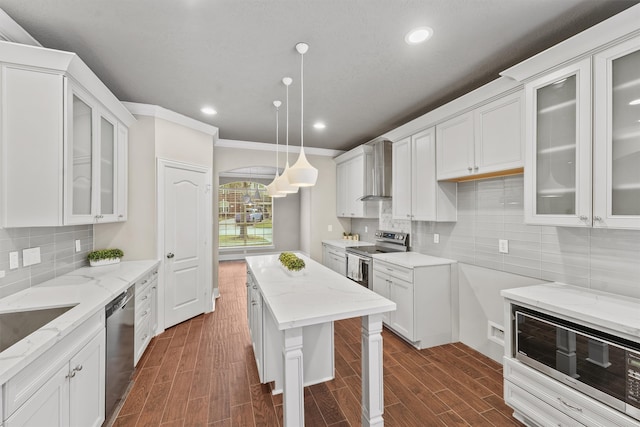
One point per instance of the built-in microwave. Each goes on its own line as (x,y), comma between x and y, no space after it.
(598,364)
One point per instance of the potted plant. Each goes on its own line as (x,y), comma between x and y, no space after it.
(291,263)
(104,257)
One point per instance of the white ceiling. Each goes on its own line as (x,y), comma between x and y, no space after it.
(361,78)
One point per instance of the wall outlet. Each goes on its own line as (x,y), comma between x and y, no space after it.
(31,256)
(79,246)
(13,260)
(2,274)
(366,229)
(329,228)
(436,238)
(503,246)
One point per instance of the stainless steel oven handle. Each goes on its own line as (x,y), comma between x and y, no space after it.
(575,408)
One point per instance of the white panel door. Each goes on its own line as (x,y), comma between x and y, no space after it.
(454,147)
(423,176)
(86,388)
(184,208)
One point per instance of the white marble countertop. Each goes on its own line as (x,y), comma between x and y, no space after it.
(88,288)
(345,243)
(412,259)
(612,313)
(320,295)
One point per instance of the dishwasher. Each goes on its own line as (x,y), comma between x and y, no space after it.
(120,317)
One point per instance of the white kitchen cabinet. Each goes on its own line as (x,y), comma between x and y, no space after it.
(417,195)
(334,258)
(616,144)
(78,130)
(267,342)
(558,147)
(484,142)
(423,296)
(351,184)
(73,395)
(145,313)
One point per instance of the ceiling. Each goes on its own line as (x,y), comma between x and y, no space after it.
(361,78)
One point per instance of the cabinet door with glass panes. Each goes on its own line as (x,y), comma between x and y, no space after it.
(616,155)
(558,147)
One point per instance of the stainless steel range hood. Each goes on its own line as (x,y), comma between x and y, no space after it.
(378,175)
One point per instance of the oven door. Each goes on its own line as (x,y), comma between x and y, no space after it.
(358,268)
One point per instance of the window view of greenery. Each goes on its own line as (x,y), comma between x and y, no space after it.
(245,215)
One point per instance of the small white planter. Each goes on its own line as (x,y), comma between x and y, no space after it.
(291,272)
(102,262)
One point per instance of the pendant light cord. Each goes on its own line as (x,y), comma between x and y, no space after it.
(277,136)
(287,124)
(302,100)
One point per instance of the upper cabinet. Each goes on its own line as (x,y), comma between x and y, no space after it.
(416,193)
(558,153)
(616,158)
(64,142)
(351,184)
(484,142)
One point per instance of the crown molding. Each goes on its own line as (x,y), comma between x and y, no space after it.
(170,116)
(11,31)
(263,146)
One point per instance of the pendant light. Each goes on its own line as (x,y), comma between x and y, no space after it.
(302,174)
(272,189)
(284,184)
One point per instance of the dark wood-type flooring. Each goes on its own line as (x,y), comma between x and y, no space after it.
(202,373)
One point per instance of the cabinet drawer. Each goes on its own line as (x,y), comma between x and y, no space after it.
(143,311)
(22,386)
(393,270)
(142,337)
(565,399)
(534,409)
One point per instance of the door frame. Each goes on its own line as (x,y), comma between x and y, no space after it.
(161,165)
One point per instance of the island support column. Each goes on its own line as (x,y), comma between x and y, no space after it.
(372,381)
(293,392)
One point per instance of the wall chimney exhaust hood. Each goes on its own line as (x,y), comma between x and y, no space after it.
(378,173)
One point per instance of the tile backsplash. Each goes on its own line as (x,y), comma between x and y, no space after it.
(57,253)
(492,209)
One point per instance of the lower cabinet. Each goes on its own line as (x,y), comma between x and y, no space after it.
(64,387)
(146,313)
(267,342)
(424,300)
(334,258)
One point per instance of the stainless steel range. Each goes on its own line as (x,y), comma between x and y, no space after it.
(359,257)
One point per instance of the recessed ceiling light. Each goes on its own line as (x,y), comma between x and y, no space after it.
(209,111)
(418,35)
(319,125)
(635,102)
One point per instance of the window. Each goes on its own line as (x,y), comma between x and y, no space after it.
(245,215)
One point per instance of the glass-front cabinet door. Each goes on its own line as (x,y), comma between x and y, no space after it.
(617,136)
(79,160)
(558,147)
(108,158)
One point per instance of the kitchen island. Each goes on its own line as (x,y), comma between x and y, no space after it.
(320,296)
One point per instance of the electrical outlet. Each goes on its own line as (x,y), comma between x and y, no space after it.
(13,260)
(503,246)
(2,274)
(366,229)
(79,246)
(31,256)
(436,238)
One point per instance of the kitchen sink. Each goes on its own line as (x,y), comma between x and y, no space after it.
(16,325)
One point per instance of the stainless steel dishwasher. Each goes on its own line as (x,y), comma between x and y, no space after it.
(120,317)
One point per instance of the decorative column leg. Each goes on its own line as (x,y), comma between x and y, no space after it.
(293,392)
(372,386)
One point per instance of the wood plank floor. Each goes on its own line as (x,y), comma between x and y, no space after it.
(202,373)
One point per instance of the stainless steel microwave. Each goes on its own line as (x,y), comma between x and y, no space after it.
(600,365)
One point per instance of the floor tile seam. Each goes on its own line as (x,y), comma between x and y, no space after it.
(166,407)
(459,416)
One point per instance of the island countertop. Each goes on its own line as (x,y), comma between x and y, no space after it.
(319,295)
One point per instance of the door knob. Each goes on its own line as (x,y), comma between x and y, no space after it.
(170,255)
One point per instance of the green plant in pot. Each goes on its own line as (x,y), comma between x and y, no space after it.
(104,257)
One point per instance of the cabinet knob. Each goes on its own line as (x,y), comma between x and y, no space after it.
(476,167)
(120,216)
(71,374)
(584,218)
(170,255)
(469,168)
(597,218)
(78,368)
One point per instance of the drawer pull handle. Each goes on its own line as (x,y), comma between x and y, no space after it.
(155,272)
(71,374)
(78,368)
(144,297)
(575,408)
(145,337)
(144,314)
